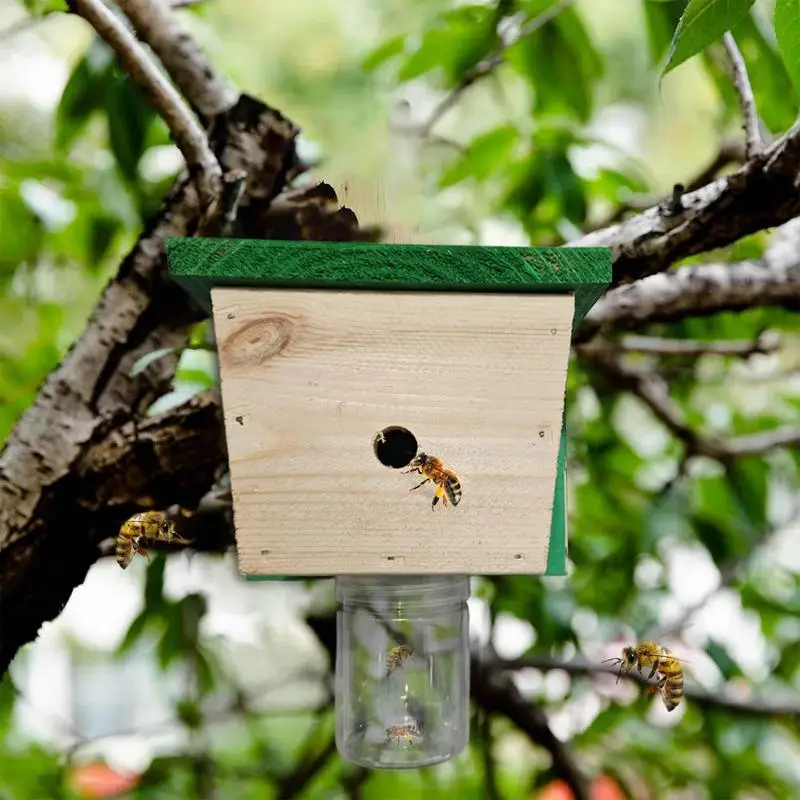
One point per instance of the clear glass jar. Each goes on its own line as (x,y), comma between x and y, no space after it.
(402,669)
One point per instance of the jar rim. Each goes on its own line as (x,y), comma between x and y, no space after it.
(444,588)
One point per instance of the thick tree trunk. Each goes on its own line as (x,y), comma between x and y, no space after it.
(51,515)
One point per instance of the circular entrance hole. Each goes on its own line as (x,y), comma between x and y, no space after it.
(395,446)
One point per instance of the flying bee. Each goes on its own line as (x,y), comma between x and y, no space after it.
(140,531)
(406,731)
(661,661)
(397,656)
(448,486)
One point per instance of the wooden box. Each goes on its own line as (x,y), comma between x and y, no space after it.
(324,345)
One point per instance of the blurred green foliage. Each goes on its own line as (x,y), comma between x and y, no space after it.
(77,183)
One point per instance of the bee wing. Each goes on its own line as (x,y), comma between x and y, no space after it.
(670,656)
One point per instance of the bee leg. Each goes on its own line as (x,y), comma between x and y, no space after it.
(419,484)
(653,671)
(409,471)
(439,494)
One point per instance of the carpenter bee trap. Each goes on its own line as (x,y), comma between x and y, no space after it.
(394,408)
(394,415)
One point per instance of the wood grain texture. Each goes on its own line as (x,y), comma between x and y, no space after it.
(198,264)
(309,377)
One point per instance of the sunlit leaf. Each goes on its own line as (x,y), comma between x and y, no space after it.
(143,362)
(701,24)
(661,19)
(463,37)
(129,117)
(134,632)
(40,8)
(380,55)
(787,33)
(84,94)
(485,155)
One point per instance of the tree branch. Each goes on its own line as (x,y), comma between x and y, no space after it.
(494,692)
(578,667)
(190,138)
(652,345)
(653,391)
(156,24)
(761,194)
(747,100)
(93,391)
(490,785)
(702,290)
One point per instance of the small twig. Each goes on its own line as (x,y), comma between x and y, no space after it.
(494,691)
(189,137)
(307,767)
(759,707)
(491,789)
(747,100)
(652,390)
(673,205)
(489,64)
(653,345)
(353,782)
(730,152)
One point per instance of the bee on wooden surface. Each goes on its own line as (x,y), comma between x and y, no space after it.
(660,660)
(448,486)
(406,731)
(397,656)
(141,530)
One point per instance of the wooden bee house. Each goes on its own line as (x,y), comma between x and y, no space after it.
(322,346)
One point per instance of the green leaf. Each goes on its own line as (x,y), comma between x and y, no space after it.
(170,643)
(41,8)
(787,33)
(129,117)
(134,633)
(463,38)
(189,713)
(719,655)
(702,24)
(387,51)
(154,585)
(560,63)
(776,96)
(661,20)
(193,608)
(143,362)
(484,155)
(84,93)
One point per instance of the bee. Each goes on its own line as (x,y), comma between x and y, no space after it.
(398,655)
(407,731)
(142,529)
(661,661)
(448,486)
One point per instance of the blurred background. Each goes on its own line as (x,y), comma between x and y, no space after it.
(178,679)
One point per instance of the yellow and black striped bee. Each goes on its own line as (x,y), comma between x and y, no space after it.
(661,661)
(140,531)
(397,656)
(448,486)
(406,731)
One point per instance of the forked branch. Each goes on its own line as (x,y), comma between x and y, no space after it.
(747,100)
(184,128)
